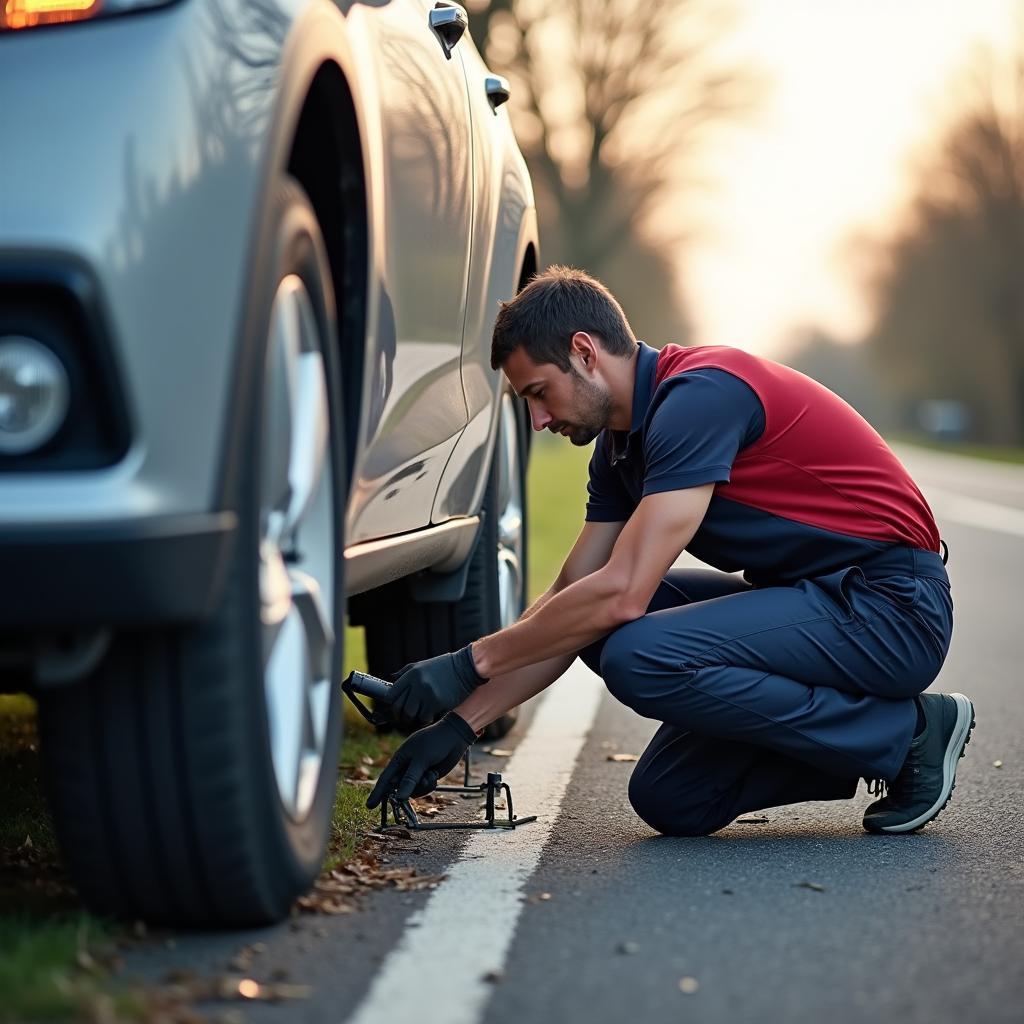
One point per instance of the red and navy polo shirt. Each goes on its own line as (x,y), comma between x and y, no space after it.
(803,484)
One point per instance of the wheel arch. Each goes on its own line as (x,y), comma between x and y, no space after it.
(320,111)
(324,160)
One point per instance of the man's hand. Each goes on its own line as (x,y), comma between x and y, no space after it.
(426,689)
(425,757)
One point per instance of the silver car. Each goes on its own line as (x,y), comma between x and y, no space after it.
(250,257)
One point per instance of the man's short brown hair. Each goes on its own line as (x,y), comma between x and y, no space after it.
(545,315)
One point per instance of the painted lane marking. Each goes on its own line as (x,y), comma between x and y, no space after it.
(986,515)
(435,973)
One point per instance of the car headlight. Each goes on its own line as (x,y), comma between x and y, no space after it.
(34,394)
(19,14)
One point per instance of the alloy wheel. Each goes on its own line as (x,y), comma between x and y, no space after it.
(297,547)
(510,516)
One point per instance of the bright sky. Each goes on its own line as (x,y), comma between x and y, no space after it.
(859,84)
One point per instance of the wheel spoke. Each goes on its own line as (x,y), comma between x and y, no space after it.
(275,585)
(509,587)
(510,528)
(309,436)
(285,675)
(279,392)
(297,548)
(319,635)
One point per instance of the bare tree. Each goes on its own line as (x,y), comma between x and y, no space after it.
(950,308)
(612,100)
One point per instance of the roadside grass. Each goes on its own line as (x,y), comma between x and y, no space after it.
(58,970)
(54,958)
(994,453)
(364,754)
(556,489)
(23,814)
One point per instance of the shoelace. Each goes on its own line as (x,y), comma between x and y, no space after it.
(903,787)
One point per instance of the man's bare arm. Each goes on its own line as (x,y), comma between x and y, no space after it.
(591,551)
(619,592)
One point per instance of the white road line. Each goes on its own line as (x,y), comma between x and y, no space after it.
(974,512)
(435,974)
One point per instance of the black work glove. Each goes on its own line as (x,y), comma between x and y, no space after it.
(426,689)
(425,757)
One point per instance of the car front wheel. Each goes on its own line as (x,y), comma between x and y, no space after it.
(192,775)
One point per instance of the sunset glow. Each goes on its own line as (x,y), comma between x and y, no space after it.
(859,89)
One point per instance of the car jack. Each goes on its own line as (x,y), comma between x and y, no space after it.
(401,810)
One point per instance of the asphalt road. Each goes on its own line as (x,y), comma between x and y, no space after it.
(586,915)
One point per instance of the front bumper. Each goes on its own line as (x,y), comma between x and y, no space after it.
(150,571)
(146,183)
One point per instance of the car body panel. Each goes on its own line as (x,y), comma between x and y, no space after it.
(504,229)
(428,203)
(147,153)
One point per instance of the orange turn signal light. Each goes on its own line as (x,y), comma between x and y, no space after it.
(16,14)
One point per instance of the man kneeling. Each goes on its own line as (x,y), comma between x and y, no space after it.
(789,684)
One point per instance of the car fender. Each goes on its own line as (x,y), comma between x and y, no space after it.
(321,35)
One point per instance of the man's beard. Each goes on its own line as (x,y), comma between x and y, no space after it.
(593,410)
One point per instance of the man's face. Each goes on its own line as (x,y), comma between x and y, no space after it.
(564,403)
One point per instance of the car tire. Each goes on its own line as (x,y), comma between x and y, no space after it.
(192,776)
(400,629)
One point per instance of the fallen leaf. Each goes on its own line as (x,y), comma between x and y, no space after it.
(280,991)
(688,985)
(623,757)
(995,764)
(397,832)
(413,882)
(498,752)
(249,989)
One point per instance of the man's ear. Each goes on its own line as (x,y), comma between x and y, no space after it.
(584,346)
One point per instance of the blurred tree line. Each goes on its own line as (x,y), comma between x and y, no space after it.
(945,353)
(845,368)
(612,101)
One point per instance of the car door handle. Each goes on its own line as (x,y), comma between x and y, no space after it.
(498,90)
(450,22)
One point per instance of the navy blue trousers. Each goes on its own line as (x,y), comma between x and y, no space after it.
(775,695)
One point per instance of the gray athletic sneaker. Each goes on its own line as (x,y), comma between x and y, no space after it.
(926,781)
